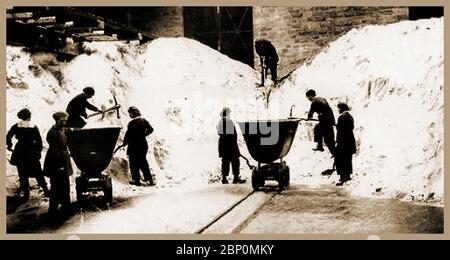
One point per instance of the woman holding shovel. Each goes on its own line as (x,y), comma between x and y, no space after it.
(135,138)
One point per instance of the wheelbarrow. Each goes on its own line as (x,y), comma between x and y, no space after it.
(92,150)
(268,143)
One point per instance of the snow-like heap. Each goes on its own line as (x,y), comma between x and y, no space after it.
(392,77)
(179,85)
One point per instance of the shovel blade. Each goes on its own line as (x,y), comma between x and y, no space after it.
(328,172)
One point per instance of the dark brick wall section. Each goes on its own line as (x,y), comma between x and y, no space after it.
(160,21)
(299,33)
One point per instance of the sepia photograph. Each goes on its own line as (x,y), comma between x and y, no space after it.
(220,120)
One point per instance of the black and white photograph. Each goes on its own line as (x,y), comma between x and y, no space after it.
(224,120)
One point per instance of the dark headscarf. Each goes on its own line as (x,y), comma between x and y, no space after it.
(24,114)
(58,115)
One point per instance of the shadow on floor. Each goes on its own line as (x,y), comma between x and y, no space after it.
(35,219)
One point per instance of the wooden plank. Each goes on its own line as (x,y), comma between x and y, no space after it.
(96,37)
(82,29)
(68,24)
(65,25)
(92,36)
(25,15)
(108,22)
(48,19)
(42,20)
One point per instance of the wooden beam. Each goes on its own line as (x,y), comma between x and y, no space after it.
(108,22)
(68,24)
(97,37)
(83,29)
(65,25)
(26,15)
(42,20)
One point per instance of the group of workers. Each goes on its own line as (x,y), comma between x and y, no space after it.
(57,165)
(344,146)
(26,154)
(342,149)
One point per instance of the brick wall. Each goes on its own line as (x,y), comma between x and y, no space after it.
(160,21)
(299,33)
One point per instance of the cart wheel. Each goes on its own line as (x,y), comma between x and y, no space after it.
(79,188)
(108,190)
(283,181)
(281,185)
(81,199)
(257,181)
(287,177)
(79,196)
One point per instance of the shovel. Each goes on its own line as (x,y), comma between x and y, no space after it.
(309,119)
(329,172)
(118,148)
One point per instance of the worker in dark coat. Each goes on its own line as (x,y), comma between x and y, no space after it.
(228,147)
(345,144)
(27,152)
(324,129)
(77,108)
(57,165)
(135,137)
(269,57)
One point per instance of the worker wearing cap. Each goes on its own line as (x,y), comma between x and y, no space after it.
(228,147)
(135,138)
(57,165)
(324,129)
(77,108)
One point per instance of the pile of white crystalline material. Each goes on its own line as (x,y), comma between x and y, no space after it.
(392,77)
(180,86)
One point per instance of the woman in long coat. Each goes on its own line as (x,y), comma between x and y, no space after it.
(57,164)
(27,152)
(135,137)
(345,144)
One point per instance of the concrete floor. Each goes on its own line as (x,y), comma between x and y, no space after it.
(298,210)
(328,209)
